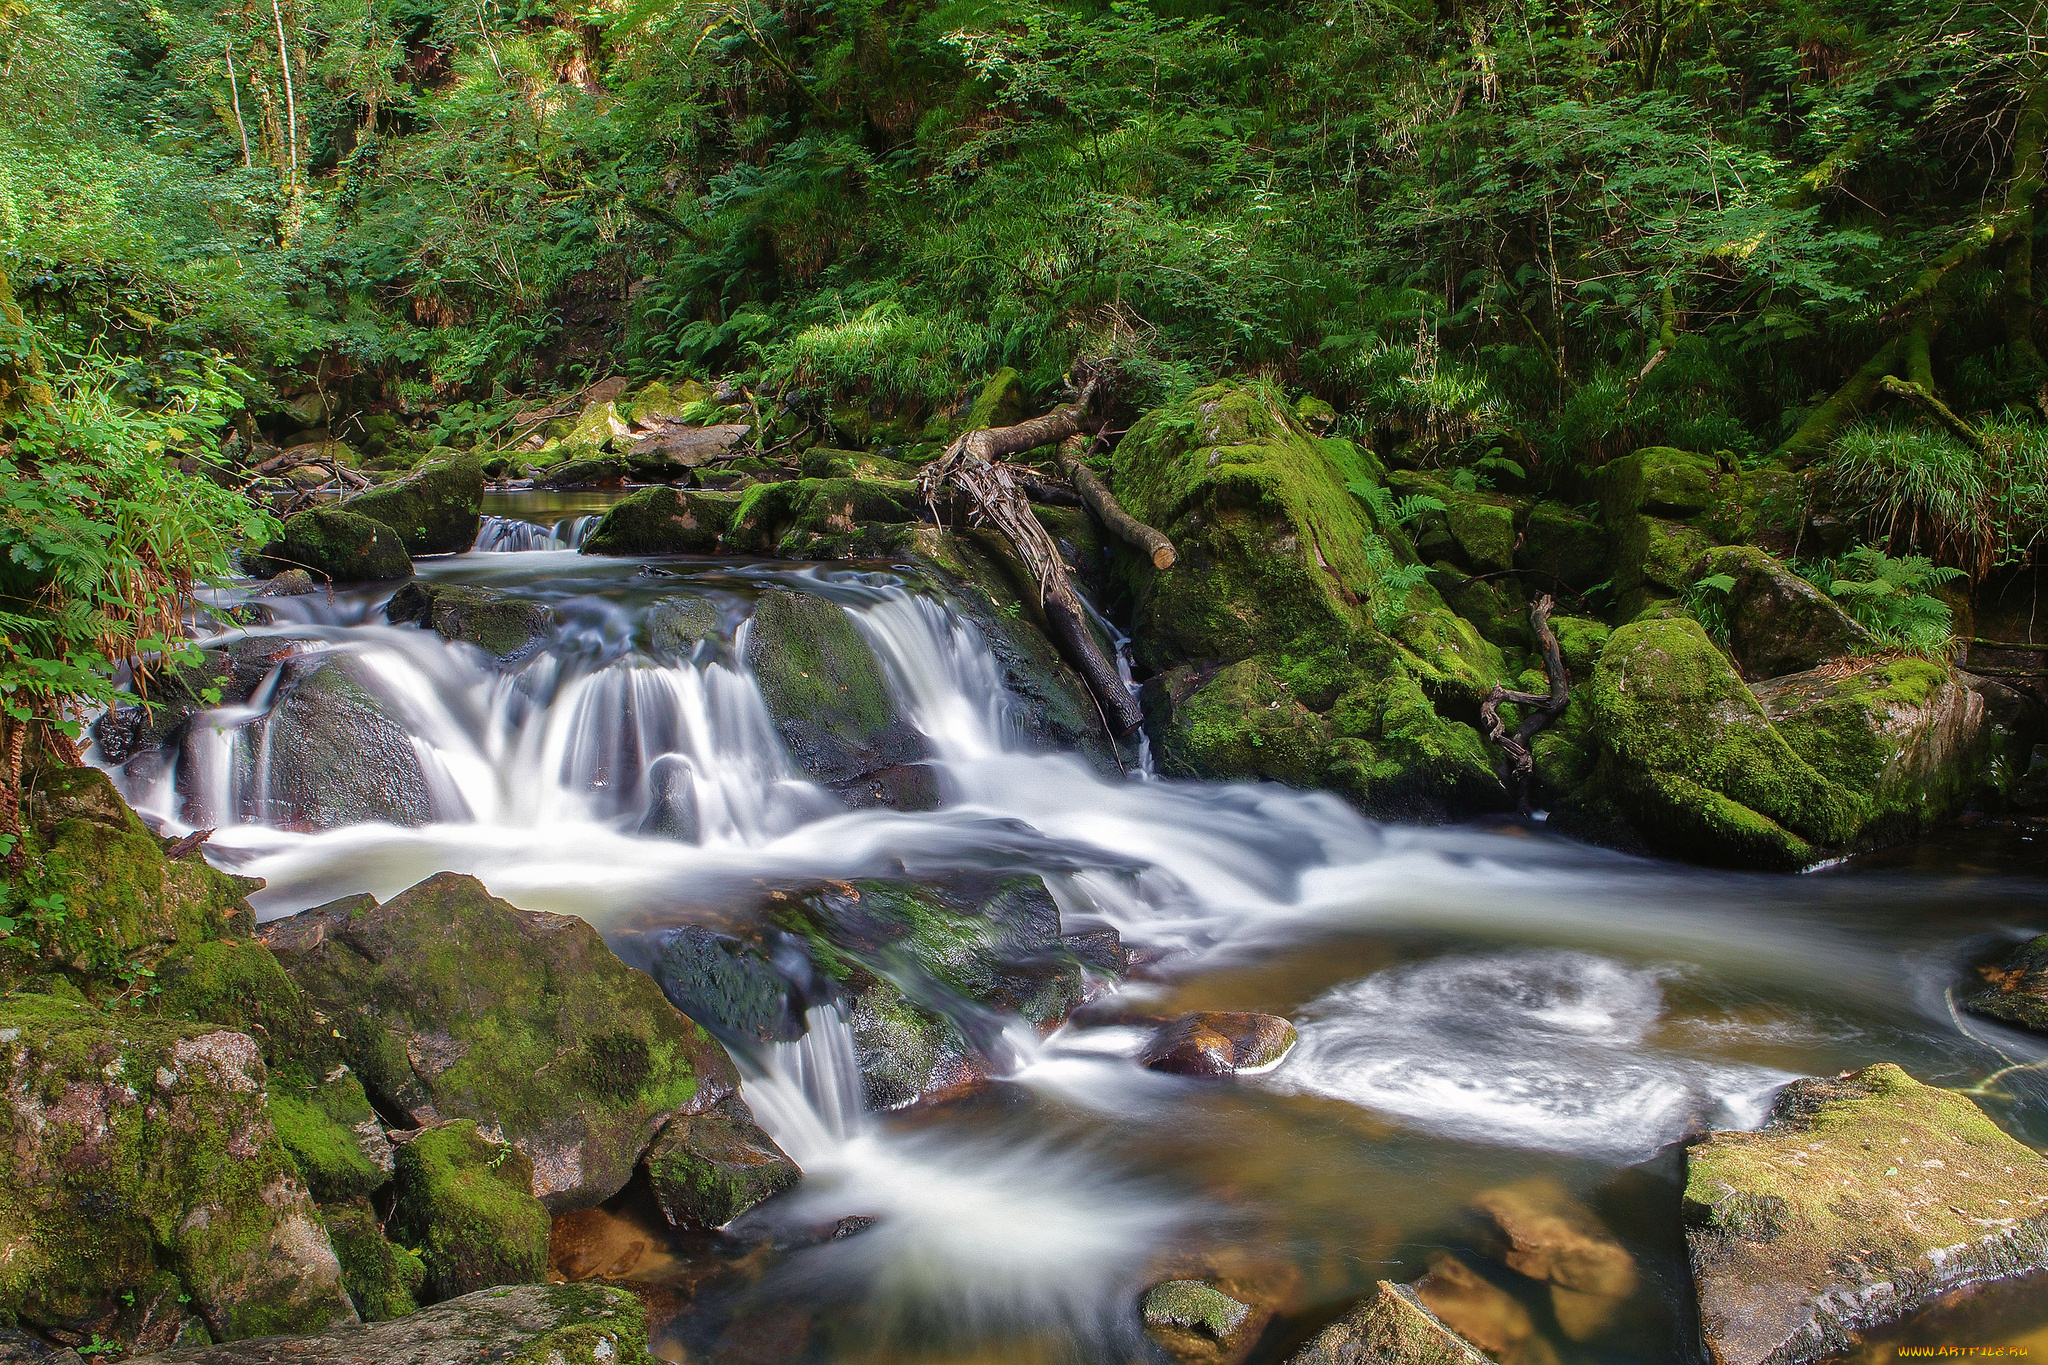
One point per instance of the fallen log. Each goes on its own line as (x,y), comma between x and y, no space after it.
(1108,510)
(1521,762)
(974,465)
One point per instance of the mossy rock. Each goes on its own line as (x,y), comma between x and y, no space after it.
(436,509)
(836,518)
(1392,1327)
(1866,1197)
(133,1148)
(336,1139)
(586,471)
(338,755)
(2015,987)
(515,1324)
(453,1004)
(825,689)
(467,1202)
(823,462)
(384,1281)
(342,544)
(1659,481)
(1235,722)
(707,1169)
(663,521)
(175,690)
(999,404)
(726,986)
(1481,526)
(1778,622)
(659,402)
(1763,507)
(677,626)
(1562,547)
(1688,749)
(502,626)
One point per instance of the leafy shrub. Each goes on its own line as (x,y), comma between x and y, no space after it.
(1889,597)
(1923,490)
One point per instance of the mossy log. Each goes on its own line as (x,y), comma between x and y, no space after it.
(1099,500)
(974,465)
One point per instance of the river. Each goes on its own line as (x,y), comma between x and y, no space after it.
(1477,1004)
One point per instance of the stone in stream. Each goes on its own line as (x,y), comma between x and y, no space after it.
(453,1004)
(341,545)
(676,627)
(2015,989)
(501,625)
(1198,1324)
(435,510)
(1537,1228)
(465,1198)
(1219,1043)
(1778,622)
(1865,1197)
(1482,1313)
(338,756)
(174,691)
(534,1324)
(141,1152)
(1393,1327)
(825,689)
(663,521)
(707,1169)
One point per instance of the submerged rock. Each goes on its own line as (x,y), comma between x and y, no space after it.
(825,689)
(1393,1327)
(466,1200)
(707,1169)
(454,1004)
(545,1324)
(1219,1043)
(436,509)
(138,1149)
(502,626)
(338,756)
(1539,1229)
(1482,1313)
(2015,989)
(1865,1197)
(1198,1324)
(676,627)
(342,545)
(1778,622)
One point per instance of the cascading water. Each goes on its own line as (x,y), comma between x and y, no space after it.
(499,535)
(1475,1007)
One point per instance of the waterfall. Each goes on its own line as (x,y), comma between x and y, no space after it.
(513,535)
(808,1096)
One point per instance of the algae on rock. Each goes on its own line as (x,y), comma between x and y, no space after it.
(340,544)
(435,510)
(825,689)
(467,1200)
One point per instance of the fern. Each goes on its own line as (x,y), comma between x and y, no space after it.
(1888,597)
(1393,580)
(1707,600)
(1391,512)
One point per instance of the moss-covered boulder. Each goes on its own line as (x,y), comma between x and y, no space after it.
(466,1201)
(1000,403)
(131,1149)
(1660,481)
(2014,989)
(453,1004)
(1392,1327)
(341,544)
(172,693)
(436,509)
(677,626)
(338,756)
(1196,1323)
(839,518)
(502,626)
(1239,719)
(1904,737)
(825,689)
(707,1169)
(1777,622)
(1282,561)
(517,1324)
(384,1281)
(1865,1197)
(1563,547)
(663,521)
(1478,529)
(1688,752)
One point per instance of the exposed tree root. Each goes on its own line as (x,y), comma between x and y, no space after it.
(1521,762)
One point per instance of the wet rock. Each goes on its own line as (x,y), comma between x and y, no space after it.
(1482,1313)
(338,756)
(1691,757)
(677,626)
(682,447)
(1659,480)
(1393,1327)
(19,1348)
(843,518)
(597,471)
(436,509)
(905,786)
(2015,988)
(825,689)
(1198,1324)
(663,521)
(465,1199)
(547,1324)
(383,1281)
(502,626)
(454,1004)
(671,800)
(1538,1229)
(174,691)
(707,1169)
(725,986)
(1778,622)
(138,1149)
(341,545)
(1563,547)
(1240,719)
(1219,1043)
(290,583)
(1865,1197)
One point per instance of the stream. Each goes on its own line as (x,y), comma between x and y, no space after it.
(1477,1004)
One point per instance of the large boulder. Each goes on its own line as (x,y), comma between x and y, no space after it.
(339,757)
(1866,1196)
(2015,988)
(1392,1327)
(825,689)
(341,544)
(436,509)
(1777,622)
(663,521)
(466,1200)
(134,1150)
(1561,547)
(453,1004)
(532,1324)
(707,1169)
(841,518)
(502,626)
(1691,757)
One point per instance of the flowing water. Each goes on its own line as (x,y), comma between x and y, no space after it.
(1476,1005)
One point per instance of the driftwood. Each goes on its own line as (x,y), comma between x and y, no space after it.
(187,844)
(1521,762)
(974,465)
(1108,510)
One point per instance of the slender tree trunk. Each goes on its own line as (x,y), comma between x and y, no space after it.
(235,90)
(291,107)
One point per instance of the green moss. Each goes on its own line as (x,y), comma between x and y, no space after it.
(999,404)
(467,1203)
(1242,722)
(1196,1306)
(659,521)
(1563,548)
(822,518)
(332,1133)
(600,1325)
(708,1169)
(341,544)
(500,625)
(825,688)
(436,509)
(383,1280)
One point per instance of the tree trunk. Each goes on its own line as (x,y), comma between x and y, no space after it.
(1108,510)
